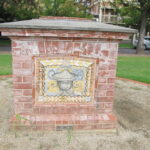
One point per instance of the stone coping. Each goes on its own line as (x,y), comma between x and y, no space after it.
(64,23)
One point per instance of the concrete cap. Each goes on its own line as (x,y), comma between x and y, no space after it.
(65,23)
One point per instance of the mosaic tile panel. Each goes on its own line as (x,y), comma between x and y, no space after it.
(64,79)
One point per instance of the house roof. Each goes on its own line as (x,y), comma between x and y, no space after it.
(65,24)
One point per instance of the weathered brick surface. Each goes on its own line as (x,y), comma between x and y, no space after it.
(60,122)
(65,33)
(101,46)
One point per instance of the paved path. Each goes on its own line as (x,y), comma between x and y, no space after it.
(7,49)
(131,51)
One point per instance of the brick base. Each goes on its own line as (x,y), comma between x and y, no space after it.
(103,122)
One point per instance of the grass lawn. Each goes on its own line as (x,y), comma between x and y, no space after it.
(126,45)
(134,67)
(5,64)
(131,67)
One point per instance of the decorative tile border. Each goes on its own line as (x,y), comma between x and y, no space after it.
(66,79)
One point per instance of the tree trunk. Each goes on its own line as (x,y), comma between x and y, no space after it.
(140,45)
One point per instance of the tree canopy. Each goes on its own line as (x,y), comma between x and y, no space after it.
(11,10)
(4,14)
(131,11)
(135,13)
(68,8)
(19,9)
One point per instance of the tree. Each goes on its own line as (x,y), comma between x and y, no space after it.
(4,14)
(68,8)
(144,9)
(135,13)
(11,10)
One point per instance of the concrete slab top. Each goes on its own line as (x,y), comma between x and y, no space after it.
(60,24)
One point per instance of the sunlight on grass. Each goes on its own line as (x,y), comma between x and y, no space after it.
(126,45)
(5,64)
(135,68)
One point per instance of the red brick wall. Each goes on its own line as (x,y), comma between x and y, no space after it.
(100,46)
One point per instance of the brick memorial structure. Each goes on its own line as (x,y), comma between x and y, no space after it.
(64,72)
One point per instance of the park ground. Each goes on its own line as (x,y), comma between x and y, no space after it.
(132,108)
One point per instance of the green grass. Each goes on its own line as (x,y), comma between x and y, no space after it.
(131,67)
(5,64)
(134,67)
(125,45)
(5,42)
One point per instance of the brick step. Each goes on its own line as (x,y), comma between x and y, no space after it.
(102,107)
(42,110)
(63,121)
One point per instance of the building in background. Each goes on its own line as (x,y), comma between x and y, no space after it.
(102,10)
